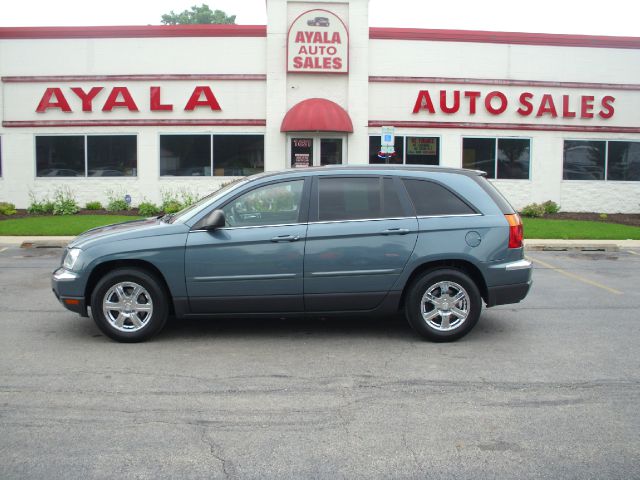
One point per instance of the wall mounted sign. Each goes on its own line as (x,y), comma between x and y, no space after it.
(318,42)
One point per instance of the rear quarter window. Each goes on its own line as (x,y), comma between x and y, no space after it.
(430,198)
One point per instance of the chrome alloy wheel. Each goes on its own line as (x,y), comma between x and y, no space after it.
(445,306)
(127,306)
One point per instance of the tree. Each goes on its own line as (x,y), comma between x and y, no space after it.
(200,15)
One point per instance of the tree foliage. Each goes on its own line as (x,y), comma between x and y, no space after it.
(198,15)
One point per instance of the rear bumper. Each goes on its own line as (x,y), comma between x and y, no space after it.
(504,294)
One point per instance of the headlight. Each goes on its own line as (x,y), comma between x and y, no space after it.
(71,258)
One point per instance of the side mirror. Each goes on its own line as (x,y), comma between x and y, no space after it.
(214,220)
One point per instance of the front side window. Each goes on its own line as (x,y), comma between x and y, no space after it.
(432,199)
(503,158)
(276,204)
(349,198)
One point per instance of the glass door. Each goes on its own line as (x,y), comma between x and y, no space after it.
(312,150)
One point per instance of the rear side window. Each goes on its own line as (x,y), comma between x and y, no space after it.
(349,198)
(430,198)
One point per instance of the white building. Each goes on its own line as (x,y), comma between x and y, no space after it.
(142,110)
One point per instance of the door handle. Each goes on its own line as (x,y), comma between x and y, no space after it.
(395,231)
(285,238)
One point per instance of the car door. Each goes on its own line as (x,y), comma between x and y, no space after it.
(361,233)
(254,264)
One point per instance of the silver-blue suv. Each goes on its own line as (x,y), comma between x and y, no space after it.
(433,242)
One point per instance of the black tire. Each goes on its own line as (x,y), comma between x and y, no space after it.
(158,300)
(429,280)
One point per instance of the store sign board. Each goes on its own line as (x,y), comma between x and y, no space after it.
(421,146)
(318,42)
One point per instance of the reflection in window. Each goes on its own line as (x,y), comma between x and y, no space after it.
(623,161)
(112,155)
(506,158)
(583,160)
(374,150)
(480,154)
(238,155)
(60,156)
(185,155)
(275,204)
(513,158)
(330,151)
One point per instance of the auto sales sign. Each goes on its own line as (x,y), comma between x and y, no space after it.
(318,42)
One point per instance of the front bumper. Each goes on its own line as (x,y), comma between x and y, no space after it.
(67,288)
(518,273)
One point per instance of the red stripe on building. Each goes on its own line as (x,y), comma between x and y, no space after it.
(137,31)
(504,82)
(143,123)
(503,126)
(514,38)
(118,78)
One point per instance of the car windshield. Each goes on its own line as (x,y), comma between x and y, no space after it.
(188,211)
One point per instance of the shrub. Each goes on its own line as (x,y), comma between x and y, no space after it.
(603,216)
(7,208)
(533,210)
(551,207)
(116,201)
(187,198)
(93,206)
(148,209)
(172,206)
(39,207)
(64,202)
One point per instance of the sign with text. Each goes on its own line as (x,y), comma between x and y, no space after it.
(421,146)
(387,138)
(318,42)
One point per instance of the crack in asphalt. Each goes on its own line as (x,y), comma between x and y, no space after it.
(215,450)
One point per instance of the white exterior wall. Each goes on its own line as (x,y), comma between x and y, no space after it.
(269,100)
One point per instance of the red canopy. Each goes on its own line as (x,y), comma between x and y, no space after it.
(316,115)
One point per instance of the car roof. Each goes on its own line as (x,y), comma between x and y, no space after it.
(379,168)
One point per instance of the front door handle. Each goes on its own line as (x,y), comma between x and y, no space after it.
(395,231)
(285,238)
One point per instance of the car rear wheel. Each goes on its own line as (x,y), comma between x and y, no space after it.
(443,305)
(129,305)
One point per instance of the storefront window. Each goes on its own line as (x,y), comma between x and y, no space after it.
(623,161)
(185,155)
(583,160)
(0,156)
(423,151)
(503,158)
(238,155)
(330,151)
(301,152)
(60,156)
(112,155)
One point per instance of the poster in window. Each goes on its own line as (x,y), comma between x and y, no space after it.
(301,152)
(422,146)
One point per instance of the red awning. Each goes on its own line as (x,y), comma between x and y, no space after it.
(316,115)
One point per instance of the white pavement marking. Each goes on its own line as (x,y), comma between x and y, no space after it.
(628,251)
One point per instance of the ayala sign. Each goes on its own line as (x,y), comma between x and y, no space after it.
(318,42)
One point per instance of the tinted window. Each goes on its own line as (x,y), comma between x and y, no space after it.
(583,160)
(112,155)
(423,151)
(60,156)
(185,155)
(513,158)
(374,150)
(238,155)
(480,154)
(430,198)
(351,198)
(274,204)
(623,161)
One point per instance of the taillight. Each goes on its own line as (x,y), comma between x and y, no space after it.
(516,232)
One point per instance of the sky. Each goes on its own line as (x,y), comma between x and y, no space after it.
(589,17)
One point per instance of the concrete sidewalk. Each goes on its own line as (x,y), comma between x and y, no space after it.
(530,244)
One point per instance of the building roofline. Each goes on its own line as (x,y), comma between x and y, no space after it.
(376,33)
(514,38)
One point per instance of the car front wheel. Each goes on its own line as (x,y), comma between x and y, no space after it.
(129,305)
(443,305)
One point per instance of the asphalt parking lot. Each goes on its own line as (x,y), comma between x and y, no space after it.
(549,388)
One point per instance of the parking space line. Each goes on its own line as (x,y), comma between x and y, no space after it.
(628,251)
(3,249)
(580,278)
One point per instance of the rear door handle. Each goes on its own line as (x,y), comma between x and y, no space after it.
(285,238)
(395,231)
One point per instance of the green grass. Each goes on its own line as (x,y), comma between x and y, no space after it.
(58,225)
(578,230)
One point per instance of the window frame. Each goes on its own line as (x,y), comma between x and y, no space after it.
(211,147)
(404,148)
(86,153)
(606,158)
(495,158)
